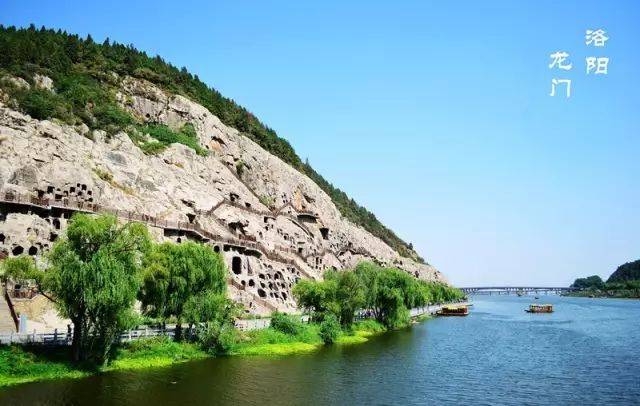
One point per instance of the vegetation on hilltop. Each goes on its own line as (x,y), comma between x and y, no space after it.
(589,282)
(82,71)
(623,283)
(626,272)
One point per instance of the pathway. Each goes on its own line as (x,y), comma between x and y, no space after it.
(7,325)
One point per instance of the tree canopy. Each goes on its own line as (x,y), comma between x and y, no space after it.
(594,281)
(386,292)
(22,267)
(626,272)
(181,277)
(94,276)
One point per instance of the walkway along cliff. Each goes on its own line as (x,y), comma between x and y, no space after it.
(272,224)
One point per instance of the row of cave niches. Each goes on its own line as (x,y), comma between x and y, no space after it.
(80,192)
(32,249)
(266,285)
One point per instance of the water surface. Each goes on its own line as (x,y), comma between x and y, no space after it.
(584,353)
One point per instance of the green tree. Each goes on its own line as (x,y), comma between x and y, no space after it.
(18,268)
(316,297)
(214,315)
(626,272)
(94,275)
(330,329)
(175,275)
(350,295)
(591,282)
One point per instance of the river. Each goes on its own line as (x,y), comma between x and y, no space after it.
(584,353)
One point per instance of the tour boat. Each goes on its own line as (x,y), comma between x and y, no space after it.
(542,308)
(453,311)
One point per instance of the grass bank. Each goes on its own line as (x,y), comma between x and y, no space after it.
(28,364)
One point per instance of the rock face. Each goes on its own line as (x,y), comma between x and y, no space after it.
(272,224)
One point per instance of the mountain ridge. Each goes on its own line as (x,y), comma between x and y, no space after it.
(22,55)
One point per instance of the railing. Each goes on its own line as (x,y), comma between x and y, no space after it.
(56,338)
(65,203)
(90,207)
(237,205)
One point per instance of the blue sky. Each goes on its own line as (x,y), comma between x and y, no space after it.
(434,115)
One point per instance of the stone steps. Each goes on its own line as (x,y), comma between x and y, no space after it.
(7,325)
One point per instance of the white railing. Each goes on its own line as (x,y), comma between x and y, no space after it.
(57,338)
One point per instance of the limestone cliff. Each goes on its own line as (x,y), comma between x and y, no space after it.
(273,224)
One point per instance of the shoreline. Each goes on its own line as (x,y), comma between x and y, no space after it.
(42,364)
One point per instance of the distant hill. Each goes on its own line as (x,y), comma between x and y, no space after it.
(626,272)
(589,282)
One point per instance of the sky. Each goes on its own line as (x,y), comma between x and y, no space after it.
(435,115)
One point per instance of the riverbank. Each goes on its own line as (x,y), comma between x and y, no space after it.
(36,363)
(606,294)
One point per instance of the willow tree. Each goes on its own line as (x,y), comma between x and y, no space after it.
(19,268)
(94,276)
(175,274)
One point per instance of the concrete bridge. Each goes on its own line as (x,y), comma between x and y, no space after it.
(512,290)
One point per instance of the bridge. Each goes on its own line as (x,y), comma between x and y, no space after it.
(509,290)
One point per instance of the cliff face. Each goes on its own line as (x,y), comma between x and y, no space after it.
(272,223)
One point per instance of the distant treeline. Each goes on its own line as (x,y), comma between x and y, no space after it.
(85,93)
(624,282)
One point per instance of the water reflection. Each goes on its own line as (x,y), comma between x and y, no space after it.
(585,352)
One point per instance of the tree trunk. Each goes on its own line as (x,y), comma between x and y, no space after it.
(178,334)
(76,351)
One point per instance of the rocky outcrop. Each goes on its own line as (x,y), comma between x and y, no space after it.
(272,223)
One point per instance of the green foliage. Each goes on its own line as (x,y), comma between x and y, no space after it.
(41,104)
(19,365)
(623,283)
(350,294)
(270,341)
(317,298)
(94,277)
(111,118)
(388,293)
(18,268)
(26,364)
(594,282)
(213,314)
(267,201)
(186,281)
(82,71)
(286,323)
(153,352)
(104,175)
(369,325)
(164,136)
(330,329)
(240,168)
(626,272)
